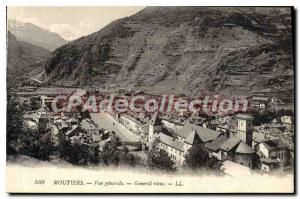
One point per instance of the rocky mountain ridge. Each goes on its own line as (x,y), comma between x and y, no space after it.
(190,50)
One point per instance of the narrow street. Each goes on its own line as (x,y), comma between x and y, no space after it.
(104,120)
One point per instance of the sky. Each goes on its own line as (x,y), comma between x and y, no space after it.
(70,22)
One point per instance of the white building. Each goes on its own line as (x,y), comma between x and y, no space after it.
(273,155)
(137,128)
(174,148)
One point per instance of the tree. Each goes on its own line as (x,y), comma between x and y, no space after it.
(215,164)
(159,159)
(14,124)
(40,147)
(83,154)
(128,159)
(76,153)
(196,157)
(263,117)
(110,153)
(113,155)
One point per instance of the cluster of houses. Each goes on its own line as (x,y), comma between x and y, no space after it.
(227,138)
(264,99)
(236,145)
(74,126)
(231,139)
(81,130)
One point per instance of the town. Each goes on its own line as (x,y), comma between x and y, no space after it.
(250,140)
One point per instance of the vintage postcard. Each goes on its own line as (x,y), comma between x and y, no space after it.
(150,100)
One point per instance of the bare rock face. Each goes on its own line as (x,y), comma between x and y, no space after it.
(187,50)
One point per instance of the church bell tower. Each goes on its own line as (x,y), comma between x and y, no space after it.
(245,128)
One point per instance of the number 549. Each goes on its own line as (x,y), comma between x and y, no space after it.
(39,182)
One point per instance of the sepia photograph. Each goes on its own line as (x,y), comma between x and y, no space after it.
(150,99)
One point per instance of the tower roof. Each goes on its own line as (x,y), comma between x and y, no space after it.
(244,148)
(230,143)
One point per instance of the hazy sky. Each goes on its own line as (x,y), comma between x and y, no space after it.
(70,22)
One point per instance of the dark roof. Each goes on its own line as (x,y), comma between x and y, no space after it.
(216,144)
(244,148)
(172,142)
(230,143)
(274,144)
(204,134)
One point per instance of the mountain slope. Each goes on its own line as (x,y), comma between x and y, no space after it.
(35,35)
(23,57)
(188,50)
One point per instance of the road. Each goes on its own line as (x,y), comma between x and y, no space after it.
(104,120)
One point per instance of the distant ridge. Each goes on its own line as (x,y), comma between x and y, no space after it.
(35,35)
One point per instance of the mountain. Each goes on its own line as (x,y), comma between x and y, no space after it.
(23,57)
(35,35)
(190,50)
